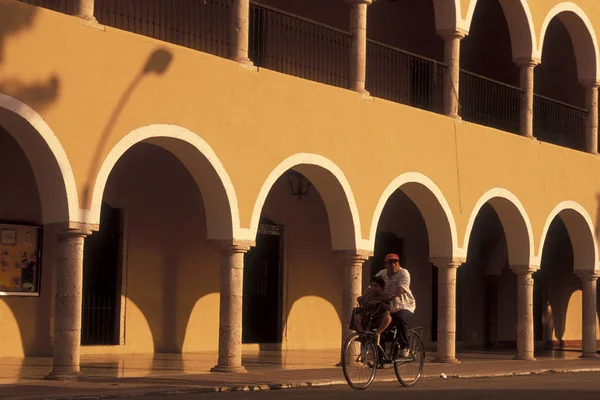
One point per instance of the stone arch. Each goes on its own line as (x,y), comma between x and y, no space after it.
(436,212)
(49,162)
(515,222)
(582,34)
(334,189)
(218,193)
(581,231)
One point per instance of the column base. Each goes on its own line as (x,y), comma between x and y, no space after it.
(63,376)
(590,355)
(445,360)
(524,358)
(230,370)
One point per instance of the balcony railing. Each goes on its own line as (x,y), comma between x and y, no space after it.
(307,49)
(402,77)
(559,123)
(200,25)
(296,46)
(490,103)
(62,6)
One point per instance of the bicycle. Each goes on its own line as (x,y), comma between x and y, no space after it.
(362,354)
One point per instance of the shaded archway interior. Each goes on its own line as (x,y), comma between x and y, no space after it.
(486,293)
(169,271)
(25,320)
(48,176)
(309,270)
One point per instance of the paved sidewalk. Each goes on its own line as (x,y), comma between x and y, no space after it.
(102,381)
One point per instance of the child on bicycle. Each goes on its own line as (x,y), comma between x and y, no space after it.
(375,302)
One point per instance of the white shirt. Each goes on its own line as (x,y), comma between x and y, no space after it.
(400,279)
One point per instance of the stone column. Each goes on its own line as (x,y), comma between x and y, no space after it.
(352,264)
(591,122)
(68,299)
(239,30)
(358,50)
(589,282)
(84,9)
(452,76)
(230,310)
(527,80)
(446,331)
(525,335)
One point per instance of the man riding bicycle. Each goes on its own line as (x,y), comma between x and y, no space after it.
(397,287)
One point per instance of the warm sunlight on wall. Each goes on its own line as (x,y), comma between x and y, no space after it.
(10,333)
(138,336)
(202,333)
(574,318)
(313,323)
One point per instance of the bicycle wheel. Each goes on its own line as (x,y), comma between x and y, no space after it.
(359,360)
(409,370)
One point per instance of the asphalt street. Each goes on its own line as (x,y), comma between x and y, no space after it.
(556,386)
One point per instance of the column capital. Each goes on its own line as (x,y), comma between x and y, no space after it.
(447,262)
(588,275)
(527,62)
(457,33)
(233,246)
(524,269)
(73,229)
(355,256)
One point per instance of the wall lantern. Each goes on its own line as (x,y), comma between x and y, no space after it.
(299,185)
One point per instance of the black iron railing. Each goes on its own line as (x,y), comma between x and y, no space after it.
(488,102)
(99,320)
(402,77)
(63,6)
(200,25)
(296,46)
(559,123)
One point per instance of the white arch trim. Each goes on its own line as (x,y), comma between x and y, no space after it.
(319,161)
(38,123)
(574,8)
(510,197)
(536,52)
(165,131)
(414,177)
(579,209)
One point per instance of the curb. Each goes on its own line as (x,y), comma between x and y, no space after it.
(298,385)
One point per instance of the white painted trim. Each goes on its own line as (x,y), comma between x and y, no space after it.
(308,159)
(397,183)
(578,208)
(38,123)
(163,131)
(574,8)
(535,51)
(510,197)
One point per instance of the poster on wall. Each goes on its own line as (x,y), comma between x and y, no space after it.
(19,259)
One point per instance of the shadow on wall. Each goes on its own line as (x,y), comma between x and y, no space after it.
(37,95)
(158,62)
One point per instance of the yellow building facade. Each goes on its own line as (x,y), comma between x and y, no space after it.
(206,175)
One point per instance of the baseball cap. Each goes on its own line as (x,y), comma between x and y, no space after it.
(392,256)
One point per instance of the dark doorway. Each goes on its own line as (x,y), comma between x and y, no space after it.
(102,281)
(262,287)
